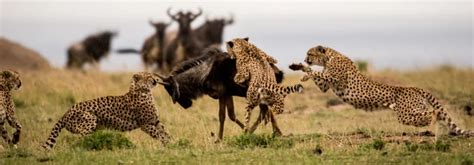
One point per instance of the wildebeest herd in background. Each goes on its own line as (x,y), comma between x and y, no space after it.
(161,50)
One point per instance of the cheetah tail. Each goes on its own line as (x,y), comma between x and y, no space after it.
(284,90)
(443,115)
(49,144)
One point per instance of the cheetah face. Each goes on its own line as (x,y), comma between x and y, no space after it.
(145,80)
(10,80)
(235,46)
(316,56)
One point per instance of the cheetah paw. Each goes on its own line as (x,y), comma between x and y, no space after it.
(305,78)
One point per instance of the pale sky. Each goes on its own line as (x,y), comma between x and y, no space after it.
(388,33)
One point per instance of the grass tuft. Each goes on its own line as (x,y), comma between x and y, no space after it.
(17,153)
(263,141)
(19,103)
(318,150)
(180,144)
(363,66)
(438,146)
(105,139)
(377,144)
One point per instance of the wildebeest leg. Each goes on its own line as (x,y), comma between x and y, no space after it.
(222,102)
(230,111)
(261,116)
(248,114)
(276,130)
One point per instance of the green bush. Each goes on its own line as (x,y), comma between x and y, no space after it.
(377,144)
(110,140)
(19,103)
(438,146)
(17,152)
(363,66)
(442,146)
(181,143)
(263,141)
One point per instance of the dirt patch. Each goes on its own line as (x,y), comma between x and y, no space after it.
(14,56)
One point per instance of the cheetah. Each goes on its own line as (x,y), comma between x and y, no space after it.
(253,67)
(134,109)
(9,80)
(341,75)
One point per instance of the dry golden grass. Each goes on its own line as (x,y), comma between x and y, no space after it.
(342,133)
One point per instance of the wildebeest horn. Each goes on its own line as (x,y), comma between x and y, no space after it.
(198,14)
(159,76)
(170,81)
(173,16)
(231,20)
(151,22)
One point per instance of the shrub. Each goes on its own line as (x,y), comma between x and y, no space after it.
(263,141)
(438,146)
(318,150)
(363,66)
(19,103)
(17,152)
(181,143)
(110,140)
(376,144)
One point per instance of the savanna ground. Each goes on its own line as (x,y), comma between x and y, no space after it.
(314,133)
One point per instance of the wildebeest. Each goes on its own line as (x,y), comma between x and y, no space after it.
(90,50)
(153,48)
(185,45)
(211,32)
(212,74)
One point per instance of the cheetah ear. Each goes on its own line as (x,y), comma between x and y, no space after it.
(321,49)
(6,74)
(246,39)
(230,44)
(136,77)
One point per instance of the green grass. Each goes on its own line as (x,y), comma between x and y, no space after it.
(313,132)
(101,140)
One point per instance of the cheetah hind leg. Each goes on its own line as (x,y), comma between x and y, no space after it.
(433,125)
(84,123)
(15,124)
(4,133)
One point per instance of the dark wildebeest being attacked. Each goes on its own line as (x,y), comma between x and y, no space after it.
(212,74)
(90,50)
(185,45)
(153,48)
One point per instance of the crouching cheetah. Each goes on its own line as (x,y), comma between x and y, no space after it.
(9,81)
(133,110)
(341,75)
(253,67)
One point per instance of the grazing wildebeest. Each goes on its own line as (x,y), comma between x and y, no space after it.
(211,32)
(91,50)
(185,45)
(153,48)
(213,74)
